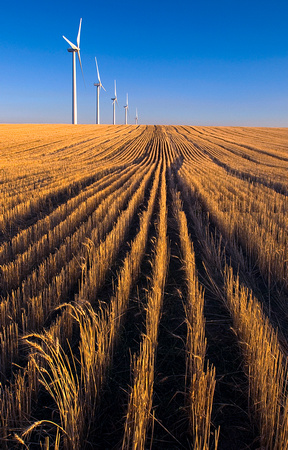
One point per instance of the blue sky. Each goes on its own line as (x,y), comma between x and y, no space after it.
(196,63)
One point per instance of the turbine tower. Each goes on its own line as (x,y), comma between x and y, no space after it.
(99,86)
(75,49)
(126,109)
(114,100)
(136,118)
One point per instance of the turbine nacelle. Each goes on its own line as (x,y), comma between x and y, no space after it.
(126,106)
(114,99)
(73,48)
(100,85)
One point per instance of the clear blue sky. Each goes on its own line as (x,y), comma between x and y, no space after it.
(183,62)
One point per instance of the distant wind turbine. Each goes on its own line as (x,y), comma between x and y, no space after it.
(114,100)
(99,86)
(136,118)
(126,109)
(75,49)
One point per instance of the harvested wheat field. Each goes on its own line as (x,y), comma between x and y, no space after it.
(144,287)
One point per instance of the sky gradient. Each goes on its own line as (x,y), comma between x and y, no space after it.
(185,62)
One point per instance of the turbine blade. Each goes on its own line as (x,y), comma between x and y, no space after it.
(127,100)
(115,89)
(101,86)
(79,31)
(79,57)
(70,43)
(97,70)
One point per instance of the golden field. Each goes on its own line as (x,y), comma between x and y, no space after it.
(144,287)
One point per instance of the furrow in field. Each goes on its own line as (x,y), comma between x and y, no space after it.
(200,375)
(141,394)
(266,366)
(230,408)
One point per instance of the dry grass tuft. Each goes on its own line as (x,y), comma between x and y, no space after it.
(265,363)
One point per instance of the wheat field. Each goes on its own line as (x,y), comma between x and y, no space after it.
(144,287)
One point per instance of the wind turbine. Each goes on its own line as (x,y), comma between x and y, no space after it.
(126,109)
(114,100)
(75,49)
(99,86)
(136,118)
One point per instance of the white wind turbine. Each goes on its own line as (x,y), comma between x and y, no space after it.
(126,109)
(99,86)
(114,100)
(75,49)
(136,118)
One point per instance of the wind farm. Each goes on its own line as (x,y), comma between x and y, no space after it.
(76,49)
(144,266)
